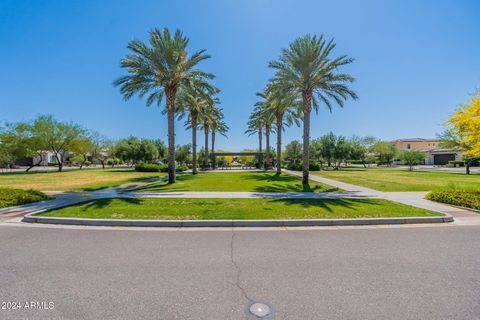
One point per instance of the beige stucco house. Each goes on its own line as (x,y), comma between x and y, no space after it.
(434,155)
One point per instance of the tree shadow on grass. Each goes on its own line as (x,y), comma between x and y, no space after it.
(285,183)
(329,205)
(165,186)
(102,203)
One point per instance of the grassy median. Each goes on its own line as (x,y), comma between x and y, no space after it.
(238,181)
(400,179)
(209,209)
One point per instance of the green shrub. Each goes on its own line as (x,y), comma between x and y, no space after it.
(469,198)
(355,161)
(53,164)
(454,163)
(87,163)
(314,166)
(148,167)
(181,168)
(15,197)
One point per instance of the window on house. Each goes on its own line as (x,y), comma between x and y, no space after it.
(408,146)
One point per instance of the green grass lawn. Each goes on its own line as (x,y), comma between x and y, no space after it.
(254,209)
(401,180)
(14,197)
(86,179)
(237,181)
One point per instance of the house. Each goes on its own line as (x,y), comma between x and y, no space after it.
(46,158)
(434,154)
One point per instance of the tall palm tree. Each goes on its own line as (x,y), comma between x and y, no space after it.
(192,102)
(206,118)
(255,126)
(218,125)
(307,68)
(285,106)
(267,118)
(161,68)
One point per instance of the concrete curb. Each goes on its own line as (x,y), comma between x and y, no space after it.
(31,218)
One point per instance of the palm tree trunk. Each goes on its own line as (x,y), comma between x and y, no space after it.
(260,159)
(279,143)
(307,108)
(194,142)
(213,141)
(206,144)
(260,139)
(171,97)
(267,147)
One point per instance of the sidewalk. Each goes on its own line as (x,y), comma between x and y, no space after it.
(414,199)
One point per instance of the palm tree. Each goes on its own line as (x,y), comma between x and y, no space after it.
(161,68)
(206,118)
(192,102)
(285,106)
(255,125)
(266,117)
(218,125)
(307,68)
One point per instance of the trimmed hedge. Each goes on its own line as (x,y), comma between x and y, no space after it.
(454,163)
(152,167)
(14,197)
(469,198)
(314,166)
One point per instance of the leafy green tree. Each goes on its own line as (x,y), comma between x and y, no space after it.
(162,68)
(385,151)
(183,153)
(102,148)
(293,152)
(148,151)
(128,150)
(360,148)
(57,137)
(162,149)
(411,157)
(7,158)
(307,67)
(18,139)
(82,149)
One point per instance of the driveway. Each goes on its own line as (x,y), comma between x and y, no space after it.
(349,273)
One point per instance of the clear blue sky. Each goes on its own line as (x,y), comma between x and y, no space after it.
(415,60)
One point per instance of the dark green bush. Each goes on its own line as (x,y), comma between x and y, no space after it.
(454,163)
(148,167)
(314,166)
(181,168)
(15,197)
(87,163)
(469,198)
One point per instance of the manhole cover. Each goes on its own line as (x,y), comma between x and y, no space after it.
(260,310)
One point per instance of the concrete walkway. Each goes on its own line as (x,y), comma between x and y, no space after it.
(247,195)
(414,199)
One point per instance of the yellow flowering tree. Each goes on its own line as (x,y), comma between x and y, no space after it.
(464,129)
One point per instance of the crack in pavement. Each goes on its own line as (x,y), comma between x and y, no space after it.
(237,268)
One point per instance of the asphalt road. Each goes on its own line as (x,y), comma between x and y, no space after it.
(391,273)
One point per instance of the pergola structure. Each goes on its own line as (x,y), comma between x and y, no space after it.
(214,155)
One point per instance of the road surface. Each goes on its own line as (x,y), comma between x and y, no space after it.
(357,273)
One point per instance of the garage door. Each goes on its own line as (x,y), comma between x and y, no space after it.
(442,159)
